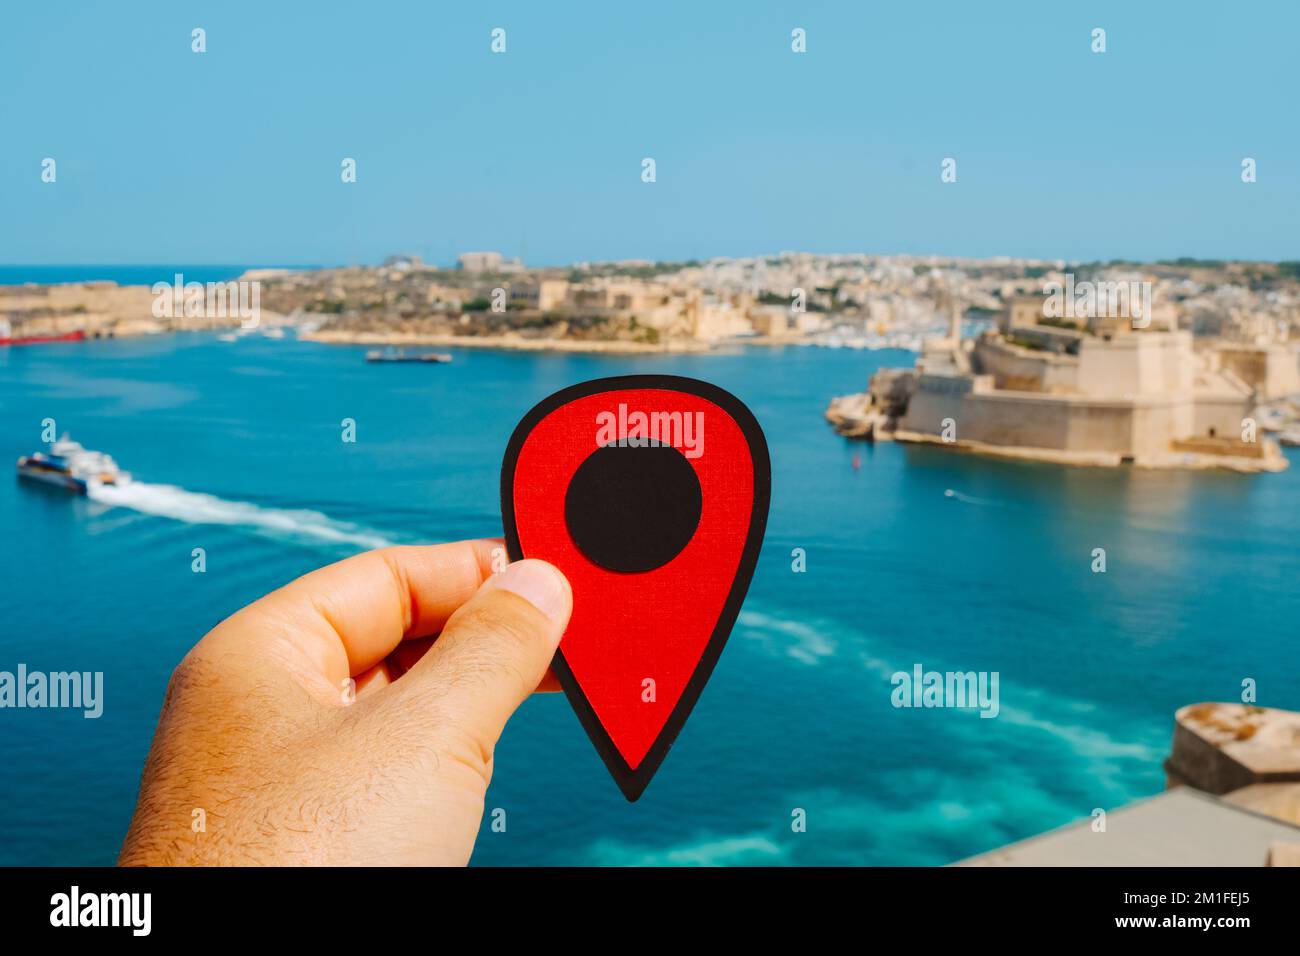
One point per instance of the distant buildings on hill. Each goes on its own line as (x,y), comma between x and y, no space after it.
(489,262)
(1218,334)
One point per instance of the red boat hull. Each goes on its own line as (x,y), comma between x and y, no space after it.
(36,339)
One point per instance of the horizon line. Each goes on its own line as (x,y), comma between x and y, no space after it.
(657,261)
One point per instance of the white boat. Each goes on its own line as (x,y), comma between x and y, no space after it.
(69,465)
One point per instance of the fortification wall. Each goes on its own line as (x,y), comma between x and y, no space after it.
(1147,363)
(1025,370)
(1060,423)
(1218,416)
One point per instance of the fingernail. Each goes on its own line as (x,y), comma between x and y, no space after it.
(537,583)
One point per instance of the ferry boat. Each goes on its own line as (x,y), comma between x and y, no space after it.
(69,465)
(391,354)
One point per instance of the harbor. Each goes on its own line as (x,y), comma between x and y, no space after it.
(981,563)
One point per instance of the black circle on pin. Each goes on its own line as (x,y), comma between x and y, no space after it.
(633,507)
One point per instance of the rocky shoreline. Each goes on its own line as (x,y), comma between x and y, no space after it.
(1272,460)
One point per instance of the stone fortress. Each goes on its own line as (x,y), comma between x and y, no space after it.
(1114,382)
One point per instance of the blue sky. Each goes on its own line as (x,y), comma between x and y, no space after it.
(232,156)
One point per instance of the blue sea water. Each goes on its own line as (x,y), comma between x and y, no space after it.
(122,275)
(917,556)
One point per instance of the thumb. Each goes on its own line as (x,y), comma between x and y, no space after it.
(493,651)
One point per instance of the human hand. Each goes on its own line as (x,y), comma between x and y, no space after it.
(260,729)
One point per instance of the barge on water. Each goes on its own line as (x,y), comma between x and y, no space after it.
(391,354)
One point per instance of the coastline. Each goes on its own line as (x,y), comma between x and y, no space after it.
(513,343)
(1272,461)
(803,636)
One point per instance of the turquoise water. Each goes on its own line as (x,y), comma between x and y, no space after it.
(122,275)
(236,448)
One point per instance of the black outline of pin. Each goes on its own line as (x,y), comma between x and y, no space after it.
(634,781)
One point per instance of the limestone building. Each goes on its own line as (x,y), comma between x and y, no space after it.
(1097,389)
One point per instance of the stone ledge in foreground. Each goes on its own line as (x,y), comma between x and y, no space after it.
(1220,748)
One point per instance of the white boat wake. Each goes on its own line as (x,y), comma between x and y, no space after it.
(169,501)
(968,499)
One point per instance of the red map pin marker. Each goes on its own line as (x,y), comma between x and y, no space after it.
(650,493)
